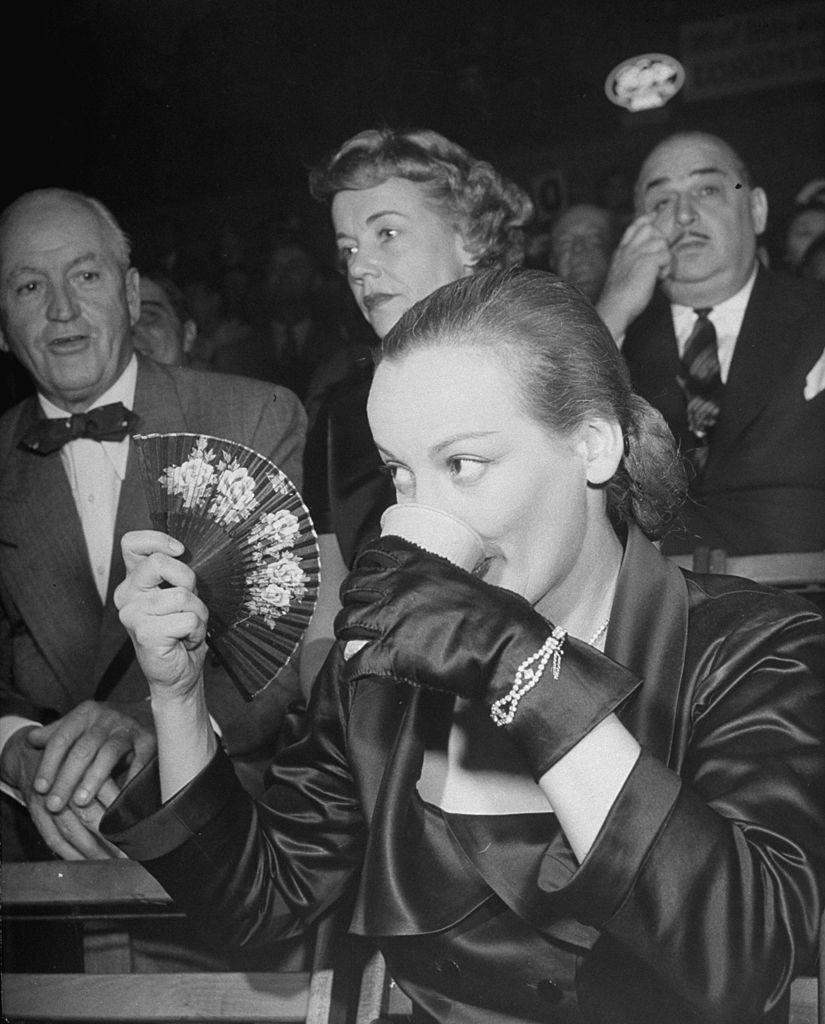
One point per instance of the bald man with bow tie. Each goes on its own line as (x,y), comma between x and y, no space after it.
(75,720)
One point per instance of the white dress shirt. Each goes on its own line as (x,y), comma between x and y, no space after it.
(96,470)
(726,317)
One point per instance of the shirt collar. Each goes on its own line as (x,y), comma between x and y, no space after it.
(732,308)
(123,390)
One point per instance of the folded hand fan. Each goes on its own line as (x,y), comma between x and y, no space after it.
(249,539)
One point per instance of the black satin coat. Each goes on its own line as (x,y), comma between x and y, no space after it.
(697,903)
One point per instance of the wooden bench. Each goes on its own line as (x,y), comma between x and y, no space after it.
(116,894)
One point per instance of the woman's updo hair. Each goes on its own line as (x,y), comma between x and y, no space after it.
(489,212)
(568,370)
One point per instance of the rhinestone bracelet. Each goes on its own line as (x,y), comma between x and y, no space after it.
(529,672)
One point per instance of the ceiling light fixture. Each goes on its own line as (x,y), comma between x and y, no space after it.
(645,82)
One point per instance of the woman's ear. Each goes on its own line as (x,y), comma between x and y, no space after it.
(604,447)
(190,334)
(133,295)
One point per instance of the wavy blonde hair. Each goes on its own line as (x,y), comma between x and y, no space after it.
(488,211)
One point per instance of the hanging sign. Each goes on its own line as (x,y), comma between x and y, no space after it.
(768,48)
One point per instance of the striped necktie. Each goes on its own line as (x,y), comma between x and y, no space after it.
(701,383)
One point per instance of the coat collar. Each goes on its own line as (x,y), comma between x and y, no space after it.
(647,634)
(408,839)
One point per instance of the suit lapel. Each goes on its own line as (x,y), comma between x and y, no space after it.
(647,634)
(652,355)
(46,565)
(762,354)
(393,860)
(158,408)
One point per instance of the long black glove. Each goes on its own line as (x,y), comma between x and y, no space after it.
(431,624)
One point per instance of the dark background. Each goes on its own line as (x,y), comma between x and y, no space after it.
(209,112)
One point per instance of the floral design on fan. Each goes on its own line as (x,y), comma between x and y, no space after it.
(273,532)
(279,578)
(274,585)
(193,478)
(224,489)
(279,483)
(232,494)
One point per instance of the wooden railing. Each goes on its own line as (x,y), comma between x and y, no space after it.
(115,894)
(793,570)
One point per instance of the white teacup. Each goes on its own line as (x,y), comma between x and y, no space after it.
(437,532)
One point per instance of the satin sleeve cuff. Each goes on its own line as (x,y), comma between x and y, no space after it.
(556,714)
(607,875)
(144,828)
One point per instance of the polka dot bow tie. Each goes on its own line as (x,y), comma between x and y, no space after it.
(105,423)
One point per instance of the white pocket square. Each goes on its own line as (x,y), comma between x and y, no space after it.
(815,381)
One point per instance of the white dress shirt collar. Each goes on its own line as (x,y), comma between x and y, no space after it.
(726,317)
(123,390)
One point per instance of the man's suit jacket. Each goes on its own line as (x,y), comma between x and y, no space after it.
(763,487)
(56,637)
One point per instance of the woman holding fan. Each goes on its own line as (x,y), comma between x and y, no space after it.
(586,787)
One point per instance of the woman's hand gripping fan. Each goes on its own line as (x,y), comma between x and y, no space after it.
(162,613)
